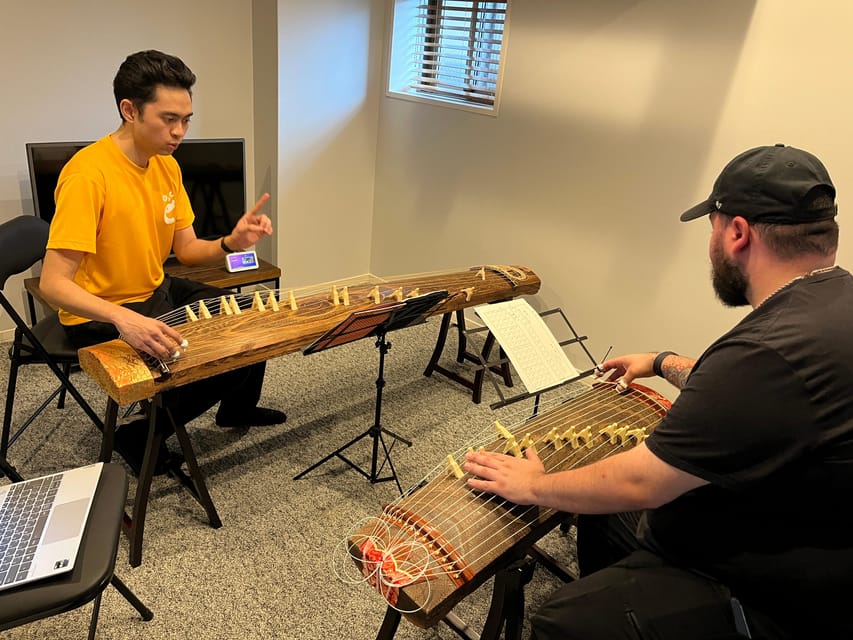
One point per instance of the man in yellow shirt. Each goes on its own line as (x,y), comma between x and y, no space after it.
(120,210)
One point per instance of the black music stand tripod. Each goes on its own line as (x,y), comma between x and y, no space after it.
(378,322)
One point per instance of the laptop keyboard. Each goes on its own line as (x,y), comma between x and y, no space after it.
(22,520)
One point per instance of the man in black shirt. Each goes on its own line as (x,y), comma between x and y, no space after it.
(742,491)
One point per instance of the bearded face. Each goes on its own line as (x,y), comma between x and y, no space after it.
(730,284)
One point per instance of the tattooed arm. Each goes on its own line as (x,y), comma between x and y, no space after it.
(676,368)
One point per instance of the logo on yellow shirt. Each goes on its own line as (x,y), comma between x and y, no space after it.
(170,206)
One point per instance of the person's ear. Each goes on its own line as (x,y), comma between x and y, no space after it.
(128,110)
(738,233)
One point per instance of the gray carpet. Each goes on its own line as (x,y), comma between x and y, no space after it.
(266,573)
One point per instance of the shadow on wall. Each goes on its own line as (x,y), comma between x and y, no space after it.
(606,114)
(326,146)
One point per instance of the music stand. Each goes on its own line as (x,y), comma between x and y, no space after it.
(377,321)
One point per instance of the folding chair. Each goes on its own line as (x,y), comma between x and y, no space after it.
(92,572)
(22,245)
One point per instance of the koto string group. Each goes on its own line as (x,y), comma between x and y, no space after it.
(235,330)
(441,534)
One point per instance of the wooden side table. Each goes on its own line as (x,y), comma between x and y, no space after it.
(214,275)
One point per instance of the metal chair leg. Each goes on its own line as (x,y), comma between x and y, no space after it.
(66,369)
(93,623)
(124,590)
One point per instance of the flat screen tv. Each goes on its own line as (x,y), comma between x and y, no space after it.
(213,170)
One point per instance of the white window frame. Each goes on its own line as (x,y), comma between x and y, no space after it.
(402,51)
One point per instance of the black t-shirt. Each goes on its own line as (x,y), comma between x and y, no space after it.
(766,417)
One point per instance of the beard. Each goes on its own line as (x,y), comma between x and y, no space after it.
(729,282)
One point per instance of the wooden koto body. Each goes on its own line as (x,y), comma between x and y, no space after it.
(438,543)
(279,322)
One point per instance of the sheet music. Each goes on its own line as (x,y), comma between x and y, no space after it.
(529,344)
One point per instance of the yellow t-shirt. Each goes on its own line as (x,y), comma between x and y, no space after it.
(123,218)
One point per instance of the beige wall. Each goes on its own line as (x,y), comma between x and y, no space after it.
(615,117)
(265,116)
(329,59)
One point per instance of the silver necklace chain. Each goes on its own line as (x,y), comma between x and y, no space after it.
(813,272)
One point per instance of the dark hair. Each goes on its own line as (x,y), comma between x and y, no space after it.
(810,238)
(141,73)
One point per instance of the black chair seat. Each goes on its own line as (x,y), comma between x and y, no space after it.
(49,332)
(93,569)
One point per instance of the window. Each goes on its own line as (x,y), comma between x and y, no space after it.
(448,50)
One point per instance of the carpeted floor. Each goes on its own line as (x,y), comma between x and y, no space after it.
(267,573)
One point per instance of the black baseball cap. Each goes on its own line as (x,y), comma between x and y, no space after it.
(769,184)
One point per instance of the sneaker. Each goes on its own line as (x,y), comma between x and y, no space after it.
(129,442)
(255,417)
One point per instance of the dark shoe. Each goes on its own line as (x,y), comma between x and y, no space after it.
(256,417)
(129,442)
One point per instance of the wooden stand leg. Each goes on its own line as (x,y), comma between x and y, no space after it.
(134,525)
(439,345)
(433,366)
(462,345)
(462,354)
(508,601)
(389,624)
(108,437)
(195,484)
(506,611)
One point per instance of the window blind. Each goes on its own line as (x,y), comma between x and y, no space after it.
(458,46)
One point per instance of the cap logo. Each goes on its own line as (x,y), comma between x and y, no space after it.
(718,204)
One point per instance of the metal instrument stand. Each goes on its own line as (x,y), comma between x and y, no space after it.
(374,432)
(375,322)
(490,367)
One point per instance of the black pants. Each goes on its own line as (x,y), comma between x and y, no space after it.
(237,391)
(628,593)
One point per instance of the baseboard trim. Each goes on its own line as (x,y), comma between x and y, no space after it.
(7,335)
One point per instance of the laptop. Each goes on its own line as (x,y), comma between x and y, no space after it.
(41,523)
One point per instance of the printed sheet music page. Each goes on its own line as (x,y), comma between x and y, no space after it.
(529,344)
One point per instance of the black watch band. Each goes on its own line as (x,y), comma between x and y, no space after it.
(658,363)
(224,246)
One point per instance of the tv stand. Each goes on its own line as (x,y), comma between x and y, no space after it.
(218,276)
(215,275)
